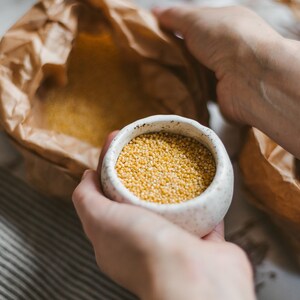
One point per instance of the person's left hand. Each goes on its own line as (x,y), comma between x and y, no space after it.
(154,258)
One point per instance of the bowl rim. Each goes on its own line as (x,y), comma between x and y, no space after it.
(212,142)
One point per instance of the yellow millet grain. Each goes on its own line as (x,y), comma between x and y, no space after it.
(165,168)
(103,92)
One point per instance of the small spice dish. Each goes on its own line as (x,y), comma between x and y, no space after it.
(198,215)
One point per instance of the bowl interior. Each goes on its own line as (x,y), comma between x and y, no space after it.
(202,135)
(185,128)
(221,182)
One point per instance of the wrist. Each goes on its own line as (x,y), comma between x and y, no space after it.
(279,95)
(240,77)
(174,271)
(188,273)
(262,72)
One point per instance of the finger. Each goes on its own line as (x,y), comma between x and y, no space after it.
(176,18)
(90,203)
(100,215)
(105,147)
(217,235)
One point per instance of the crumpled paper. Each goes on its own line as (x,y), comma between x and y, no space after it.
(294,5)
(38,46)
(269,172)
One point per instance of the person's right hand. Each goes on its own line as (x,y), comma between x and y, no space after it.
(154,258)
(257,70)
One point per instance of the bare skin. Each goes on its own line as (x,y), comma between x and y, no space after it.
(154,258)
(257,72)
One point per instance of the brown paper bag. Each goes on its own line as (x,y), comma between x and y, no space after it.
(37,48)
(294,5)
(270,174)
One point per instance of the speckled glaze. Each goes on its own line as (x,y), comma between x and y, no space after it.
(199,215)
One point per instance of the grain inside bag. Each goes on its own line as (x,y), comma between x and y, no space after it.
(51,110)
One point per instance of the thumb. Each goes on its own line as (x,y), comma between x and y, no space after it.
(175,18)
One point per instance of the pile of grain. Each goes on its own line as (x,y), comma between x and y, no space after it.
(103,93)
(165,168)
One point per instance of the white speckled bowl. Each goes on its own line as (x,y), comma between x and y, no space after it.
(199,215)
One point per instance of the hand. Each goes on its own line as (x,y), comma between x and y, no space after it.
(257,70)
(154,258)
(229,41)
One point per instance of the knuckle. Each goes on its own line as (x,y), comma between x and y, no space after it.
(239,9)
(98,258)
(90,228)
(172,11)
(237,16)
(107,216)
(234,251)
(166,238)
(181,15)
(237,256)
(102,262)
(81,195)
(78,195)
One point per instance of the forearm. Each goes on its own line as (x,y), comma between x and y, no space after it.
(276,111)
(257,70)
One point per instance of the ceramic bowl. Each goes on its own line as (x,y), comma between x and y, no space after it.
(199,215)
